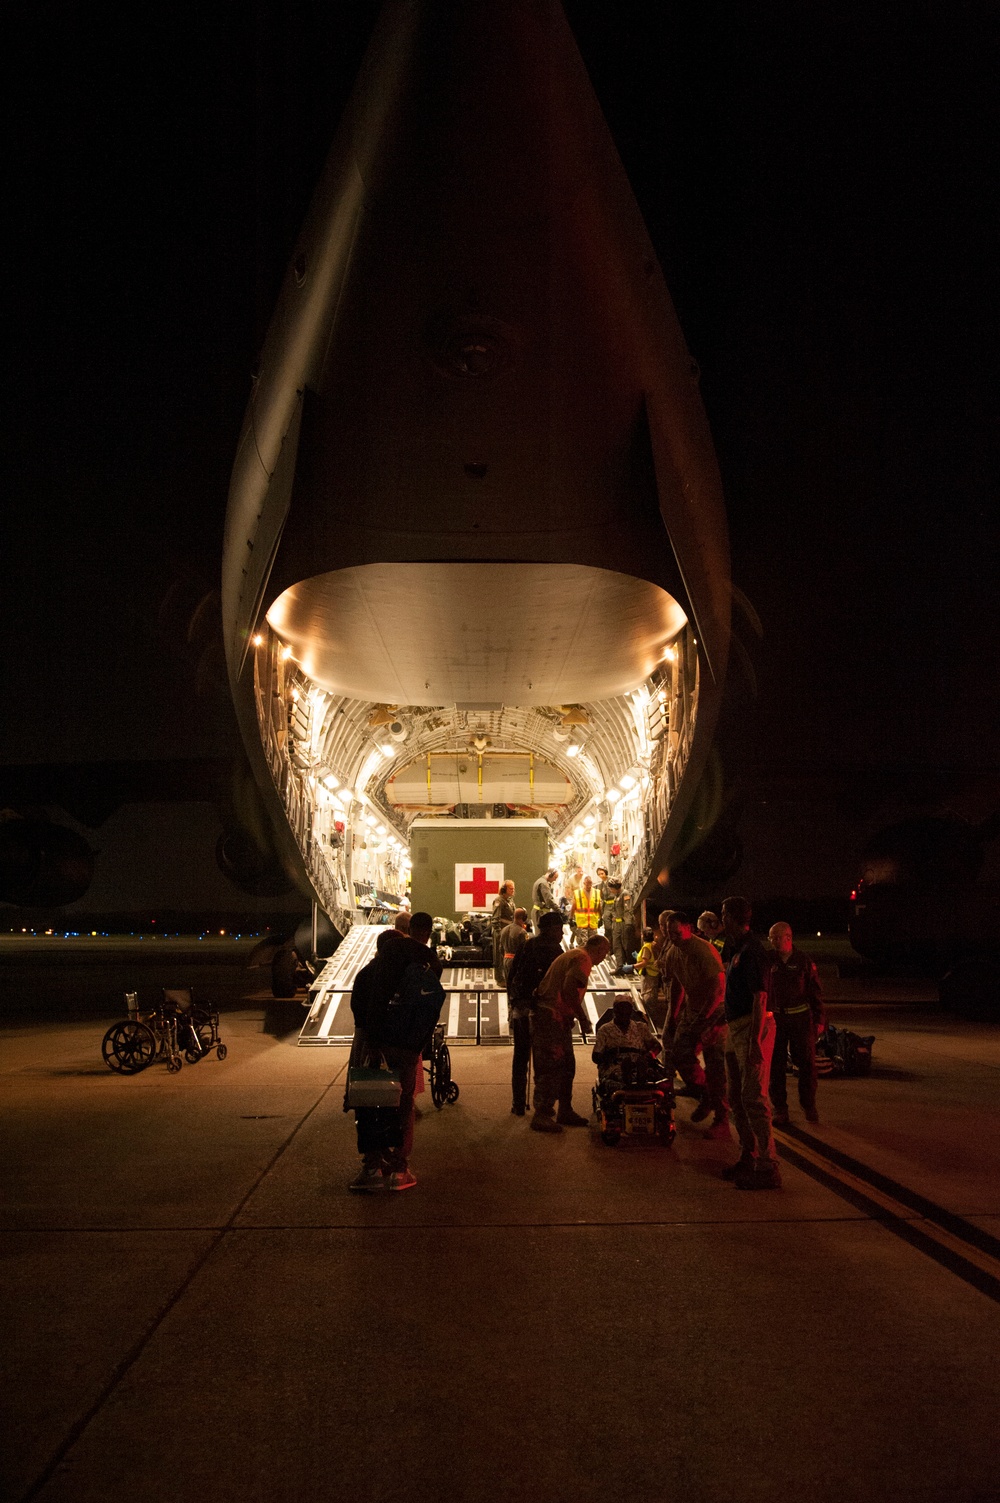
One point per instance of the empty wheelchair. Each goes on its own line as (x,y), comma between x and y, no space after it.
(443,1088)
(176,1029)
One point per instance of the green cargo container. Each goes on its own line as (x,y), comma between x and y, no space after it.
(458,864)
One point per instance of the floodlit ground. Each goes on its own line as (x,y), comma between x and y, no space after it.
(195,1306)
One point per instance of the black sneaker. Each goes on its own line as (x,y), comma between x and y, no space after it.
(518,1111)
(703,1110)
(742,1166)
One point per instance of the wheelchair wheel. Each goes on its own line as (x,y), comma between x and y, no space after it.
(438,1083)
(202,1032)
(128,1047)
(221,1051)
(453,1091)
(173,1064)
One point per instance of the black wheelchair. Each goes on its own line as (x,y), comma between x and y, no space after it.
(634,1099)
(178,1028)
(438,1066)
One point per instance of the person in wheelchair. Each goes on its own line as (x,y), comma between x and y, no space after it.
(618,1040)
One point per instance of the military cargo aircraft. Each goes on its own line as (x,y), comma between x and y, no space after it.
(476,558)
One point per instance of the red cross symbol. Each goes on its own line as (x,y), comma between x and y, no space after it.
(479,887)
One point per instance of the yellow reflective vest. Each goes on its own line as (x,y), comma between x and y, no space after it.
(587,908)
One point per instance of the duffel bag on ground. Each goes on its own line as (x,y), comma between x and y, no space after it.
(847,1053)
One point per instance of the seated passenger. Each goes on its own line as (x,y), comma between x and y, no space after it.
(624,1030)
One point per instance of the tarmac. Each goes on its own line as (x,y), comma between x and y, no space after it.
(197,1306)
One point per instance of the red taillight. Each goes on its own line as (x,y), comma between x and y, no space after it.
(854,895)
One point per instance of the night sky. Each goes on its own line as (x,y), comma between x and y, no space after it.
(820,183)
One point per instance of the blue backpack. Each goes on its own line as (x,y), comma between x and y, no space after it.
(412,1014)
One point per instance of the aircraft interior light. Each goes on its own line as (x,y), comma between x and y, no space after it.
(613,795)
(627,782)
(330,781)
(258,640)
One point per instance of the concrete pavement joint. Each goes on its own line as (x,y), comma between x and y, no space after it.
(139,1346)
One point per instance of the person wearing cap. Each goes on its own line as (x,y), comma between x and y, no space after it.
(797,1003)
(623,1030)
(749,1049)
(604,892)
(527,970)
(543,897)
(616,924)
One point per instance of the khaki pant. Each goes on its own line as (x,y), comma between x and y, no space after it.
(748,1069)
(553,1062)
(694,1034)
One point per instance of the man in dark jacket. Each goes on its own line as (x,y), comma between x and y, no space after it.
(526,971)
(797,1003)
(385,1134)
